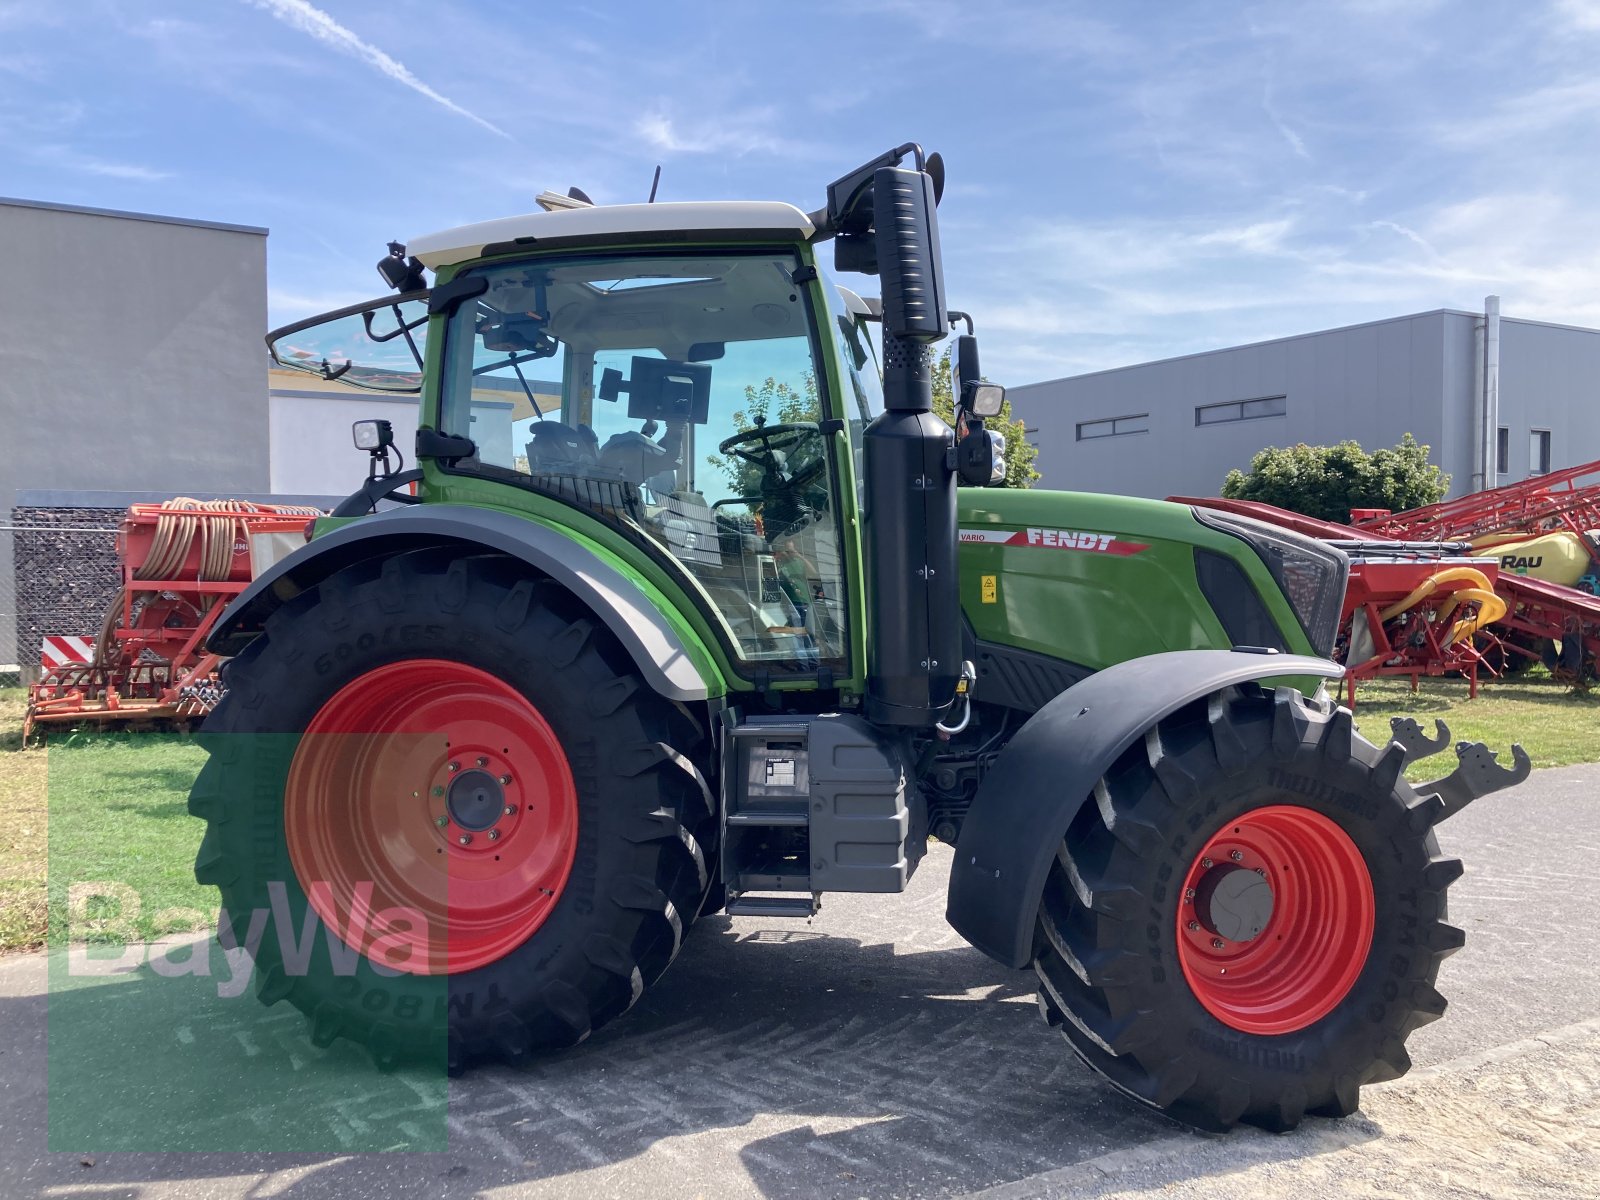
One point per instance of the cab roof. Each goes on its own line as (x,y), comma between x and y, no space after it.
(674,222)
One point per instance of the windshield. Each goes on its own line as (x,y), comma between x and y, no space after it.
(676,396)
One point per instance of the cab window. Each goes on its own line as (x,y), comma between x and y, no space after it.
(677,398)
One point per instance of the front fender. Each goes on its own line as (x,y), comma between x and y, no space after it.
(1048,771)
(661,655)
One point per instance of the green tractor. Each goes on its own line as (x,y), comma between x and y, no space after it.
(681,610)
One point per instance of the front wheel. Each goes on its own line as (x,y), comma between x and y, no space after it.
(1246,921)
(447,816)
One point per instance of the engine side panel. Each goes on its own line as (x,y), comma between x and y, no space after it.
(1095,580)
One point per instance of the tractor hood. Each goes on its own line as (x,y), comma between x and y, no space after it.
(1094,579)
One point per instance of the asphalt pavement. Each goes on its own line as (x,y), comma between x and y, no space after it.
(868,1053)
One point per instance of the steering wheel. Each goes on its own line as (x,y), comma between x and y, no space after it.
(761,447)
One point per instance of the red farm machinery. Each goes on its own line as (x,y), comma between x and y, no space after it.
(181,562)
(1493,581)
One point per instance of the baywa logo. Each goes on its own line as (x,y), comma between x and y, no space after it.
(394,941)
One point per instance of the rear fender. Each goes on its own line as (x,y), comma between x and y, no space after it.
(655,646)
(1048,771)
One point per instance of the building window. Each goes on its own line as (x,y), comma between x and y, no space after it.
(1114,427)
(1502,450)
(1240,410)
(1538,452)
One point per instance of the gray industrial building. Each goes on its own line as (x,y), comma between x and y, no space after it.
(131,367)
(1178,425)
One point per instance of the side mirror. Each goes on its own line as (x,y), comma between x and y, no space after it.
(981,457)
(906,236)
(982,399)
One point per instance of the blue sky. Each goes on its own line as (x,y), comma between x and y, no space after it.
(1127,181)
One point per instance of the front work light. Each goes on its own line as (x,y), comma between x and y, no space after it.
(983,399)
(374,436)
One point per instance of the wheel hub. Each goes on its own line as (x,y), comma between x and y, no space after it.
(475,800)
(1233,902)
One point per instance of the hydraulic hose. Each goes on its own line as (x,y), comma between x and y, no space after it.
(1431,584)
(1490,609)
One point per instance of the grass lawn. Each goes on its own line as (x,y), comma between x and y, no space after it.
(116,804)
(97,808)
(1555,727)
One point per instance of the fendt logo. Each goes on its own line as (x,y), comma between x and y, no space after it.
(1055,539)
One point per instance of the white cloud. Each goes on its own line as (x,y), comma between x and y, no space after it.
(300,15)
(74,160)
(1581,15)
(731,135)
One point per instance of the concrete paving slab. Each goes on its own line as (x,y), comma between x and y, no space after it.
(870,1053)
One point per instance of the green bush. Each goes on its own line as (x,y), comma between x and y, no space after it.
(1328,481)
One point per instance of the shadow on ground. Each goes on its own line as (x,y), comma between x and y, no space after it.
(777,1061)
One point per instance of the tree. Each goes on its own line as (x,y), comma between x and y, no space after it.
(773,403)
(1020,453)
(1328,481)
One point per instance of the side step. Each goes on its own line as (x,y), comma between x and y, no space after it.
(766,818)
(773,906)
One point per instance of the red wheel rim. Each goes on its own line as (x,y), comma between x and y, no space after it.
(431,816)
(1311,950)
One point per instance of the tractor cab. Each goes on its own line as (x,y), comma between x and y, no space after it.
(706,402)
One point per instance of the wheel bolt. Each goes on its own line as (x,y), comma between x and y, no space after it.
(438,791)
(505,779)
(1262,871)
(455,766)
(494,835)
(1188,893)
(441,822)
(1217,943)
(482,761)
(1236,855)
(1204,862)
(509,809)
(465,839)
(1193,925)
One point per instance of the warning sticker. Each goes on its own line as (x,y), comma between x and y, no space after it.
(1056,539)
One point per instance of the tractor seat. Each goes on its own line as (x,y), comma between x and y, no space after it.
(557,449)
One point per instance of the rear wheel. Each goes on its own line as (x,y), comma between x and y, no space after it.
(1247,921)
(456,782)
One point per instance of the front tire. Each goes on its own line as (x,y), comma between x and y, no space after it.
(1246,921)
(454,777)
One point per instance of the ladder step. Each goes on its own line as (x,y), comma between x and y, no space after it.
(772,817)
(772,906)
(773,730)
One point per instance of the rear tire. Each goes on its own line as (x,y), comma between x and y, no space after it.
(611,900)
(1325,995)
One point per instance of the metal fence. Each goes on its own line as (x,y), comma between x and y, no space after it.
(10,657)
(58,572)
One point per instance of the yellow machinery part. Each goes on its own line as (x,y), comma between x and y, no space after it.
(1559,557)
(1431,584)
